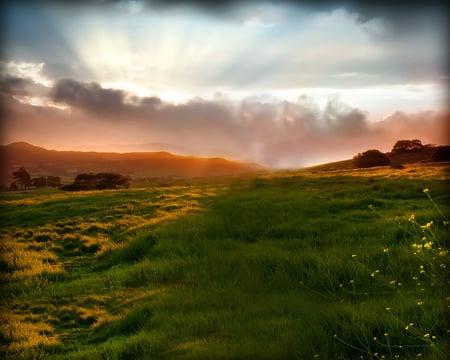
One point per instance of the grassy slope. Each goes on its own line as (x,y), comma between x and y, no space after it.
(256,268)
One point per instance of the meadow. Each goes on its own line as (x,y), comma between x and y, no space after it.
(295,265)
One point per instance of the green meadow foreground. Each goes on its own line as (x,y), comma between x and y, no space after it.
(328,265)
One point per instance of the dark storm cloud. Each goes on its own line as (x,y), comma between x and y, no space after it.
(394,10)
(88,96)
(10,85)
(17,86)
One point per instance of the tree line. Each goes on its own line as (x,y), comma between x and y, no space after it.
(23,180)
(100,181)
(375,157)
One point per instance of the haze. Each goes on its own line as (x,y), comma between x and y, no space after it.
(281,83)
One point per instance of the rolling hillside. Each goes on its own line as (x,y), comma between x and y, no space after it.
(138,165)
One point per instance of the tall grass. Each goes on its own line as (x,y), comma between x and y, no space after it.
(271,268)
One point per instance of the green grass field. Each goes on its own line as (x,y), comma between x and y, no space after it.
(287,266)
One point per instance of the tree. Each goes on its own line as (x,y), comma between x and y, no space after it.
(22,177)
(371,158)
(39,182)
(407,145)
(98,182)
(111,181)
(442,153)
(53,181)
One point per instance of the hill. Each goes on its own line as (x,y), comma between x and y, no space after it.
(138,165)
(425,155)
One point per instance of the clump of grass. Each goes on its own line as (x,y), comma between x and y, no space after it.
(415,324)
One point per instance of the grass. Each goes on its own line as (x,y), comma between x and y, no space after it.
(328,265)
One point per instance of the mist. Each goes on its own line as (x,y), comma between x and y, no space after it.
(76,115)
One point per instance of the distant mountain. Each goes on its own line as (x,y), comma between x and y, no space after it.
(147,147)
(39,161)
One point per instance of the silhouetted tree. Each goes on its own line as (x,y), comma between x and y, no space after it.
(442,153)
(111,181)
(371,158)
(39,182)
(407,145)
(86,181)
(53,181)
(98,182)
(22,177)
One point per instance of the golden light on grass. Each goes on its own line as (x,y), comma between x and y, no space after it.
(24,331)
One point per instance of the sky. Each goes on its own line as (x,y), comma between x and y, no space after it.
(280,83)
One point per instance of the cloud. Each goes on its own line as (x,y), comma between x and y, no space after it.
(88,96)
(272,132)
(19,86)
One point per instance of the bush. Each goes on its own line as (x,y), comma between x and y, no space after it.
(442,153)
(98,182)
(371,158)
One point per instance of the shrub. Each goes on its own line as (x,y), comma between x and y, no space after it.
(442,153)
(98,182)
(371,158)
(407,145)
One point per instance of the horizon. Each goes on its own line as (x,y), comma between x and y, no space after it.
(281,84)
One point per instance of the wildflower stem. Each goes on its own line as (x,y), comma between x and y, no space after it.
(350,345)
(436,207)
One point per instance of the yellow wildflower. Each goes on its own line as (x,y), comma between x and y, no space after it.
(354,256)
(426,190)
(393,282)
(426,336)
(412,218)
(386,250)
(388,309)
(427,226)
(420,303)
(428,245)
